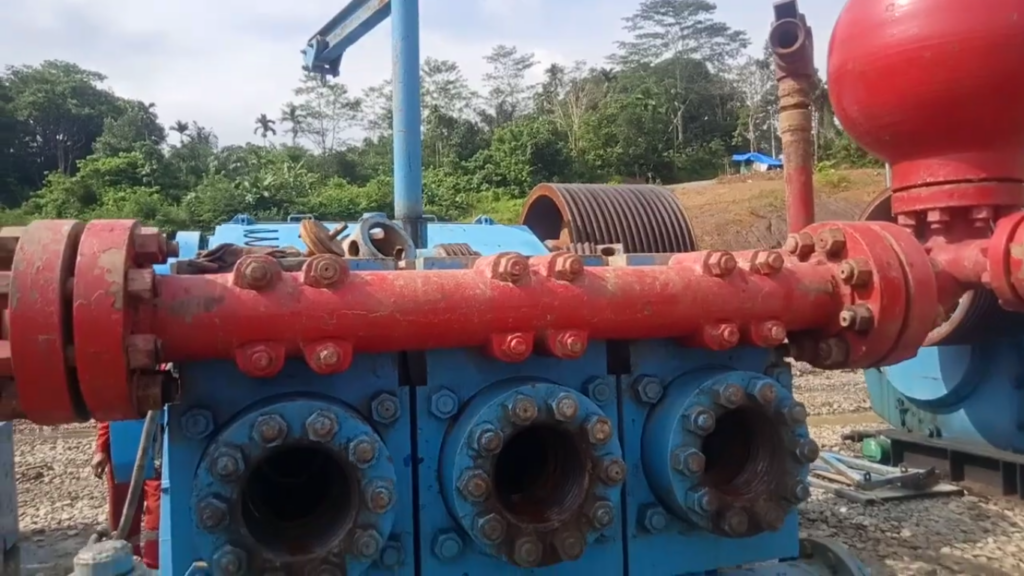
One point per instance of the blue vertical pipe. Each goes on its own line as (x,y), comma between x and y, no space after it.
(405,58)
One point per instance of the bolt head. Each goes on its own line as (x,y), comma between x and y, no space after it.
(197,423)
(385,408)
(228,464)
(800,491)
(212,513)
(489,440)
(648,389)
(613,471)
(444,404)
(831,241)
(363,452)
(565,407)
(475,485)
(766,392)
(321,426)
(688,461)
(654,518)
(701,421)
(807,451)
(602,515)
(528,551)
(447,545)
(380,497)
(599,430)
(702,501)
(366,544)
(269,430)
(393,555)
(796,414)
(730,395)
(523,410)
(229,561)
(772,516)
(491,528)
(599,391)
(736,522)
(570,545)
(720,263)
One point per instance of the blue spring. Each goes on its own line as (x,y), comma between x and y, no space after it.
(259,237)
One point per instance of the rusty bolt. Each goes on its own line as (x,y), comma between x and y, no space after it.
(491,528)
(511,268)
(141,283)
(261,358)
(444,404)
(858,318)
(321,426)
(327,270)
(833,352)
(142,351)
(768,262)
(613,471)
(150,246)
(565,407)
(688,461)
(230,561)
(795,414)
(327,356)
(489,440)
(771,516)
(856,272)
(514,347)
(380,496)
(599,430)
(269,429)
(831,241)
(523,410)
(363,451)
(766,392)
(653,518)
(366,544)
(702,501)
(719,263)
(700,421)
(800,245)
(256,275)
(567,267)
(648,389)
(807,451)
(385,408)
(570,545)
(475,485)
(570,344)
(599,391)
(602,515)
(212,513)
(528,551)
(736,522)
(770,333)
(721,336)
(729,394)
(227,463)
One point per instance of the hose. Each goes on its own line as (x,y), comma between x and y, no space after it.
(138,473)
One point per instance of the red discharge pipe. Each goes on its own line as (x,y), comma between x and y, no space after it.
(792,44)
(205,317)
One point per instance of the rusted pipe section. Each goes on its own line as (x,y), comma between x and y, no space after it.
(792,44)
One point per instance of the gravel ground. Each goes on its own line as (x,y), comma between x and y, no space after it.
(61,503)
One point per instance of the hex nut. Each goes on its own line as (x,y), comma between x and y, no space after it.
(688,461)
(489,440)
(602,515)
(211,513)
(321,426)
(729,394)
(700,421)
(269,430)
(475,485)
(491,528)
(702,501)
(229,561)
(197,423)
(654,518)
(735,522)
(648,389)
(599,391)
(444,404)
(380,496)
(799,491)
(523,410)
(565,407)
(570,545)
(363,452)
(766,392)
(599,430)
(392,556)
(227,463)
(613,471)
(385,408)
(796,414)
(528,551)
(807,451)
(447,545)
(366,544)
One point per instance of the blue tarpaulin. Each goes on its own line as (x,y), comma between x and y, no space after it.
(756,157)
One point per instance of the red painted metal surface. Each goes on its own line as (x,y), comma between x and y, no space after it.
(934,87)
(39,317)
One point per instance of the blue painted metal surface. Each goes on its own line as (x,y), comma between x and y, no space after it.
(8,492)
(323,53)
(971,393)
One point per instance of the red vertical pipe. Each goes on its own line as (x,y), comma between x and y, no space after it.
(791,42)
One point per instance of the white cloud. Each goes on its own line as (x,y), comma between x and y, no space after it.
(223,62)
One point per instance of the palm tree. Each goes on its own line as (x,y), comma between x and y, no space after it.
(264,126)
(182,128)
(292,116)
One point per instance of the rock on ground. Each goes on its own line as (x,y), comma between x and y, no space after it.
(61,503)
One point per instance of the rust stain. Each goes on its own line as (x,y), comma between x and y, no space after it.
(192,306)
(112,262)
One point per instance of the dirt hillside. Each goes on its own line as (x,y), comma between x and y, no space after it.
(748,210)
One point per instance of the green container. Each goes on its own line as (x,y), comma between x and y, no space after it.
(877,450)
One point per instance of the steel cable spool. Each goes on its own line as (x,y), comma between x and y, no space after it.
(582,217)
(978,316)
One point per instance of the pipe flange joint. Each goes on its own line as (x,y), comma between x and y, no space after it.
(722,451)
(239,457)
(527,462)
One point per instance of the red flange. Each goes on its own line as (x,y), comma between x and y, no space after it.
(1006,262)
(39,318)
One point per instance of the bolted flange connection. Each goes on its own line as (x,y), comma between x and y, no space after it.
(727,451)
(338,470)
(532,471)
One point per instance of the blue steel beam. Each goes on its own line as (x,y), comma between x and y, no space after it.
(323,56)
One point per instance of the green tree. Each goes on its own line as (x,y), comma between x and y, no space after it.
(265,127)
